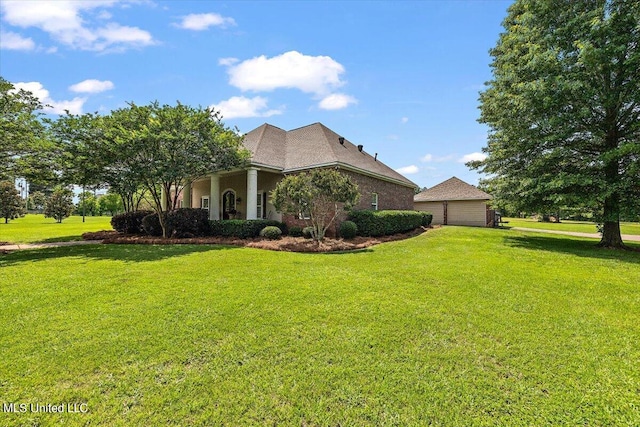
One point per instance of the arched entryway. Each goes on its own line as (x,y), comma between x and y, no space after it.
(229,204)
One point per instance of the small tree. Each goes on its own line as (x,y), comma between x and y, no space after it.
(111,203)
(37,201)
(59,205)
(316,197)
(10,201)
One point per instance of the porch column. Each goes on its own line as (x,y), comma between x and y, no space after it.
(163,199)
(252,193)
(186,196)
(214,197)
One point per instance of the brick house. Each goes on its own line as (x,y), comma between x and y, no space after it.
(244,193)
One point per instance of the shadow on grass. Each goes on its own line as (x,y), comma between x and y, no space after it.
(575,246)
(126,253)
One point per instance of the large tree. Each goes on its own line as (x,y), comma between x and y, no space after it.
(563,109)
(59,205)
(25,150)
(10,201)
(317,197)
(166,147)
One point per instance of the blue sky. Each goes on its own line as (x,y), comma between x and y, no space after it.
(401,78)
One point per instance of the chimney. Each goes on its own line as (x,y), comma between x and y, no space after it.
(341,140)
(360,148)
(375,158)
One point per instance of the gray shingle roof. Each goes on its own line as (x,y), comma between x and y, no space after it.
(451,189)
(313,146)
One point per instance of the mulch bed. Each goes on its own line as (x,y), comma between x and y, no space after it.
(287,243)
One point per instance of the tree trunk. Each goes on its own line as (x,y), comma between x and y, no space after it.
(611,237)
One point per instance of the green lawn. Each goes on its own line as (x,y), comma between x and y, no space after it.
(36,228)
(565,225)
(457,327)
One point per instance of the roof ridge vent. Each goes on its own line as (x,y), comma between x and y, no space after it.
(341,140)
(360,147)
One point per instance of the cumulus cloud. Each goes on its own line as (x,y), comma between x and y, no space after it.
(336,101)
(240,107)
(427,158)
(404,120)
(472,157)
(318,75)
(408,170)
(92,86)
(68,23)
(227,61)
(74,106)
(202,21)
(14,41)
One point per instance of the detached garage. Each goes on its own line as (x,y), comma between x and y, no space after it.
(454,202)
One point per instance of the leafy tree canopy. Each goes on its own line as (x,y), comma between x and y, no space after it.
(563,109)
(10,201)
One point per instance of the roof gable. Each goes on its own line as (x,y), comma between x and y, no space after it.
(451,189)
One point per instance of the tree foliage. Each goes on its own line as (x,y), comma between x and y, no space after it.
(163,148)
(10,201)
(59,205)
(563,109)
(316,196)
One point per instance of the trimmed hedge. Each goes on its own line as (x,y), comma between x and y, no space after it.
(129,222)
(243,229)
(271,232)
(295,231)
(183,222)
(348,230)
(307,232)
(427,217)
(384,223)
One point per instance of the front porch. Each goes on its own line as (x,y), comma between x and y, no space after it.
(240,194)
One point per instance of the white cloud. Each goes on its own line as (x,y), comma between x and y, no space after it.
(318,75)
(14,41)
(408,170)
(92,86)
(431,158)
(56,107)
(336,101)
(227,61)
(67,22)
(472,157)
(404,120)
(240,106)
(202,21)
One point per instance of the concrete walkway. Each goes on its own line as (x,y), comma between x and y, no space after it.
(625,237)
(23,246)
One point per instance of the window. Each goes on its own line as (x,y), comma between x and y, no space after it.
(262,205)
(204,203)
(374,201)
(305,214)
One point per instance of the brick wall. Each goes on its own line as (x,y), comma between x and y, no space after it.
(390,197)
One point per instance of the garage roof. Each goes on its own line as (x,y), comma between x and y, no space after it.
(451,189)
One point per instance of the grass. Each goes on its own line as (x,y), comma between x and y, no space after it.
(35,228)
(566,225)
(460,326)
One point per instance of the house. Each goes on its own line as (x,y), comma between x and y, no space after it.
(244,193)
(454,202)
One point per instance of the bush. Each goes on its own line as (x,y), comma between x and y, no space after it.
(348,229)
(384,223)
(129,222)
(295,231)
(151,225)
(271,232)
(427,217)
(243,229)
(307,232)
(183,222)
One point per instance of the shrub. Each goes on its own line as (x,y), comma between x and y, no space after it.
(271,232)
(243,229)
(384,223)
(348,229)
(307,232)
(295,231)
(130,222)
(427,217)
(183,222)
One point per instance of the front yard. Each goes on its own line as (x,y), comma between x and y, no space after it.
(34,228)
(459,326)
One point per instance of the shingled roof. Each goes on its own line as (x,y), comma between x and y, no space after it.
(310,147)
(451,189)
